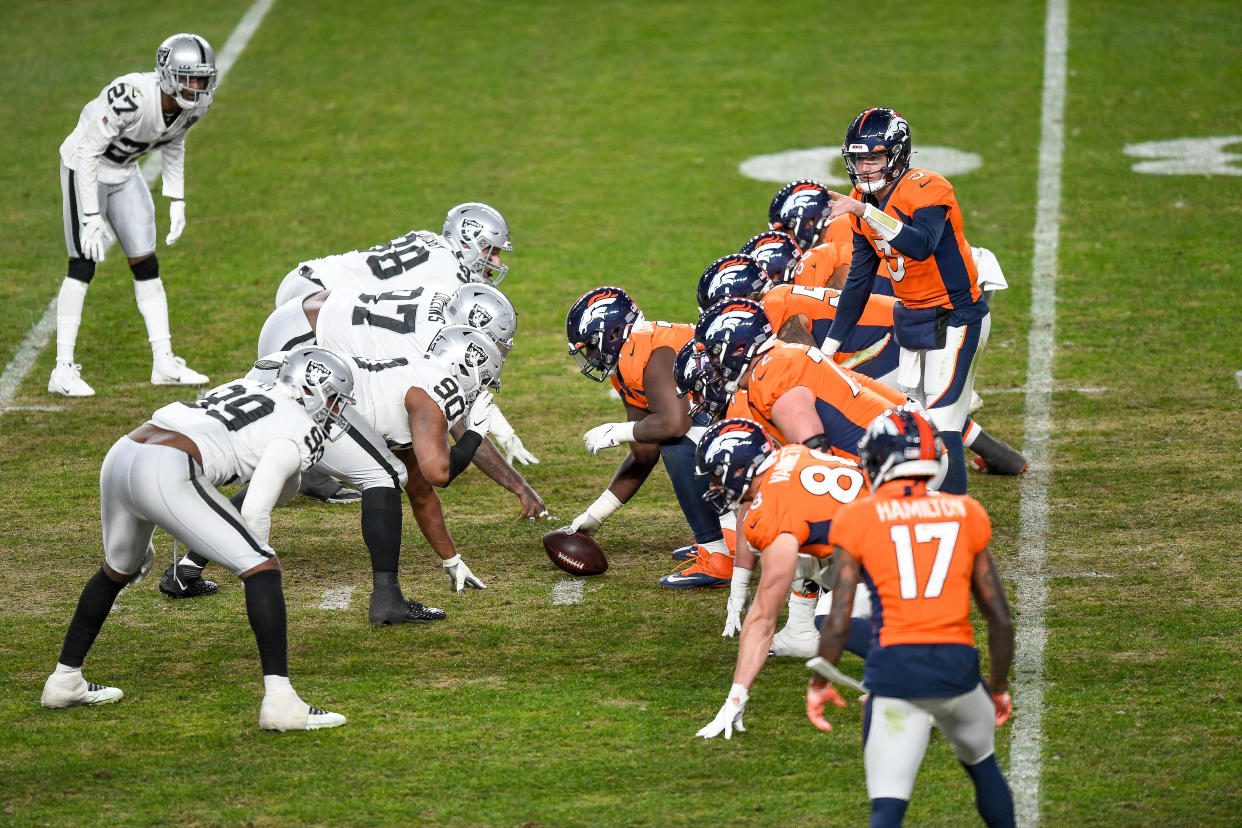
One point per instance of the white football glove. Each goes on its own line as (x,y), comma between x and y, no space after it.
(586,523)
(511,446)
(95,236)
(608,435)
(730,716)
(479,418)
(176,221)
(460,575)
(589,521)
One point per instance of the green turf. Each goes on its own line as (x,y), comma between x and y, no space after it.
(609,134)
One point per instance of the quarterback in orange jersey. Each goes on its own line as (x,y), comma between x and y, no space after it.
(610,340)
(907,223)
(788,499)
(922,555)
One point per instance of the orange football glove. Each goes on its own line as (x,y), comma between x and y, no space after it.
(815,698)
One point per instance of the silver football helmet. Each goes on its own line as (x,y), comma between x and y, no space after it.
(474,356)
(323,383)
(182,58)
(484,307)
(477,232)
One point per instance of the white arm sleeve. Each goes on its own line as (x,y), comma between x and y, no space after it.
(172,167)
(280,461)
(500,428)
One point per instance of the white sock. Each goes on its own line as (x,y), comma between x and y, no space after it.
(65,670)
(276,684)
(186,562)
(153,305)
(718,547)
(68,317)
(972,433)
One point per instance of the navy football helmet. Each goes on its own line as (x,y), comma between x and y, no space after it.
(803,213)
(777,253)
(734,276)
(732,331)
(596,326)
(903,442)
(695,375)
(729,454)
(877,130)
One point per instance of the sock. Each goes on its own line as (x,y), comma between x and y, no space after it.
(192,558)
(95,603)
(718,547)
(265,607)
(381,527)
(955,480)
(153,305)
(887,811)
(65,669)
(68,317)
(992,797)
(971,432)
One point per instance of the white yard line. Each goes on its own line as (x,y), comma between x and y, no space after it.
(567,591)
(1025,759)
(15,372)
(1237,375)
(336,598)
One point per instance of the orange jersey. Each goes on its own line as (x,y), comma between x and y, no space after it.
(819,306)
(947,276)
(739,405)
(799,493)
(844,405)
(645,337)
(917,551)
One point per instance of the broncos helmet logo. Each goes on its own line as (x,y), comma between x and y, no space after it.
(802,197)
(728,321)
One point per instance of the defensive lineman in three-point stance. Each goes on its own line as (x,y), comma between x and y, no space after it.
(101,185)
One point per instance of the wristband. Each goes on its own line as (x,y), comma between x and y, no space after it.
(830,347)
(884,224)
(604,506)
(740,693)
(741,579)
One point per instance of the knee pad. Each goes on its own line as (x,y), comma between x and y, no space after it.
(144,269)
(81,269)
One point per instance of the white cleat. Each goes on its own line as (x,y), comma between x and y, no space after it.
(802,643)
(71,690)
(172,370)
(286,711)
(67,379)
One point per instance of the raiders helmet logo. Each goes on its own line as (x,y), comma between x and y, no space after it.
(161,56)
(479,317)
(475,355)
(471,228)
(317,373)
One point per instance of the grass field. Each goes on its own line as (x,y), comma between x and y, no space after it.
(610,135)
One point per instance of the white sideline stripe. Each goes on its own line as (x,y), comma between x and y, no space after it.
(1237,375)
(1025,760)
(1023,389)
(336,598)
(15,372)
(567,591)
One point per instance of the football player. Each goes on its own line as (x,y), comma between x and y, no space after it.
(802,209)
(787,500)
(609,339)
(908,220)
(164,473)
(398,439)
(466,250)
(100,186)
(922,555)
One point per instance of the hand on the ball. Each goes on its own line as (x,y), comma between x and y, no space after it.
(586,523)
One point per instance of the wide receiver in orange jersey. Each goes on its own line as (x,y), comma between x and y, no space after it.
(921,554)
(909,221)
(610,340)
(788,498)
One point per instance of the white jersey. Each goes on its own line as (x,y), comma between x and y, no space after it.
(118,128)
(233,424)
(392,323)
(420,258)
(380,386)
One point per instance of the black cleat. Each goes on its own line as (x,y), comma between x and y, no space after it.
(321,487)
(186,582)
(993,456)
(407,611)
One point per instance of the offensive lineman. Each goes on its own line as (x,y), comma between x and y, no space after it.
(164,473)
(100,180)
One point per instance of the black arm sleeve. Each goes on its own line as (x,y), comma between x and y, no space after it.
(461,454)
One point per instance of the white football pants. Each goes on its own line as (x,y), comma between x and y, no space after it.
(128,207)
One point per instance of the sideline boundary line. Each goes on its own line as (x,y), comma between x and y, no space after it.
(24,358)
(1026,737)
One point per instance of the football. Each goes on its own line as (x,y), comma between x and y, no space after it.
(577,554)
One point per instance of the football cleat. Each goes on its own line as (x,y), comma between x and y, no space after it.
(993,456)
(1016,467)
(320,486)
(404,611)
(286,711)
(71,690)
(708,570)
(686,553)
(172,370)
(795,643)
(186,582)
(67,379)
